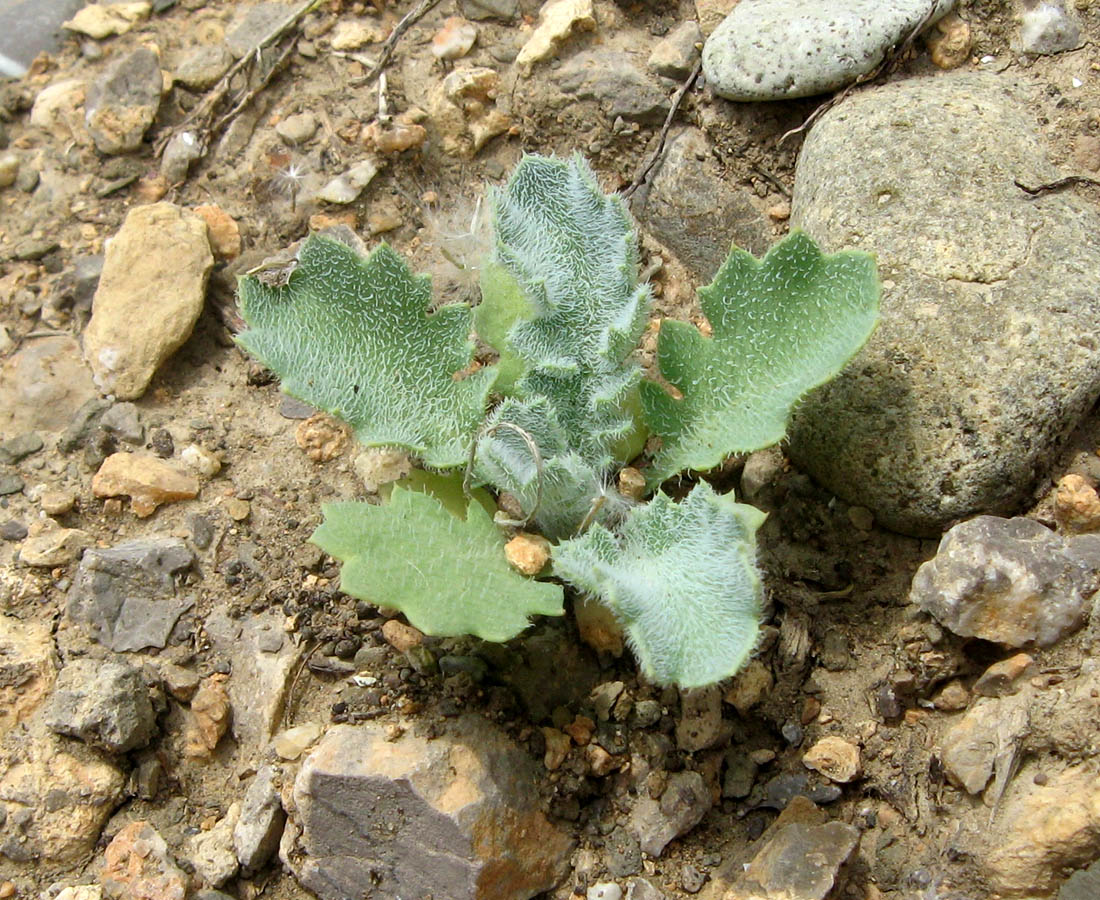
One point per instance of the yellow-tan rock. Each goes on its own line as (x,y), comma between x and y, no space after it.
(148,482)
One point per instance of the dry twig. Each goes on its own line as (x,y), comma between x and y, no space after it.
(1068,181)
(410,19)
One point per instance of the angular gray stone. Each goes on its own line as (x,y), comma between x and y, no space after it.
(1083,884)
(1047,28)
(479,10)
(643,889)
(123,102)
(983,360)
(610,78)
(1011,581)
(454,817)
(693,211)
(129,595)
(683,804)
(122,421)
(984,742)
(102,703)
(675,54)
(42,385)
(260,827)
(800,861)
(781,49)
(252,24)
(212,853)
(19,448)
(203,66)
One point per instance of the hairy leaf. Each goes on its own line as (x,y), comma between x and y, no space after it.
(353,336)
(682,580)
(448,576)
(781,326)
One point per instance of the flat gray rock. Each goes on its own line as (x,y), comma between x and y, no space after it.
(781,49)
(106,704)
(985,357)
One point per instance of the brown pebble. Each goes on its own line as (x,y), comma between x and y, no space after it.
(528,553)
(321,437)
(7,889)
(238,509)
(221,230)
(949,42)
(581,730)
(835,758)
(400,636)
(1076,504)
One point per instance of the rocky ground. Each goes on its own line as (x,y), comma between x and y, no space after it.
(189,706)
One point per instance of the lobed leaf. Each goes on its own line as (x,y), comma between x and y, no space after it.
(352,335)
(681,579)
(781,327)
(449,576)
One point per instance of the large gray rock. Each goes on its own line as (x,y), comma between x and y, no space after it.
(106,704)
(455,816)
(781,49)
(128,595)
(800,861)
(1012,581)
(984,358)
(682,805)
(694,211)
(260,826)
(123,102)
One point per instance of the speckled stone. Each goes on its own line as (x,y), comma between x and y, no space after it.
(781,49)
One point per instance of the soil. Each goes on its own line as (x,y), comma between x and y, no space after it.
(840,628)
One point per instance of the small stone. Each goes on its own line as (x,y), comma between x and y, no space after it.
(558,19)
(55,547)
(632,483)
(129,594)
(395,137)
(779,211)
(558,746)
(122,421)
(455,39)
(208,718)
(952,697)
(675,54)
(467,796)
(148,482)
(1086,152)
(782,49)
(137,864)
(181,683)
(642,889)
(603,698)
(478,10)
(211,852)
(700,725)
(182,150)
(9,169)
(57,503)
(749,687)
(204,66)
(581,730)
(19,448)
(599,762)
(691,879)
(149,297)
(598,626)
(252,24)
(605,890)
(201,461)
(983,742)
(10,483)
(59,110)
(381,465)
(711,13)
(528,553)
(222,231)
(740,774)
(13,530)
(43,385)
(99,22)
(28,667)
(799,860)
(238,510)
(382,220)
(293,742)
(260,826)
(346,188)
(1046,28)
(1002,679)
(949,42)
(835,758)
(646,713)
(105,704)
(1076,504)
(123,102)
(400,636)
(682,806)
(861,517)
(351,35)
(1011,581)
(297,129)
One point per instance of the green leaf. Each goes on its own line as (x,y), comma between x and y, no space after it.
(448,576)
(682,580)
(353,336)
(446,487)
(781,327)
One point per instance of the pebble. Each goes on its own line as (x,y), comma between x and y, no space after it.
(351,35)
(129,595)
(700,725)
(478,10)
(394,137)
(9,169)
(558,19)
(952,697)
(692,879)
(346,188)
(400,636)
(983,742)
(122,421)
(137,864)
(1011,581)
(28,665)
(42,385)
(182,150)
(922,470)
(57,502)
(222,230)
(201,461)
(366,794)
(1046,28)
(55,547)
(455,39)
(740,774)
(676,53)
(122,103)
(102,703)
(260,826)
(643,889)
(211,853)
(682,805)
(835,758)
(149,482)
(13,530)
(949,42)
(102,21)
(252,24)
(1077,504)
(605,890)
(749,687)
(322,437)
(10,483)
(1002,679)
(297,129)
(528,553)
(610,78)
(208,718)
(149,297)
(782,49)
(59,110)
(798,861)
(597,626)
(204,66)
(238,509)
